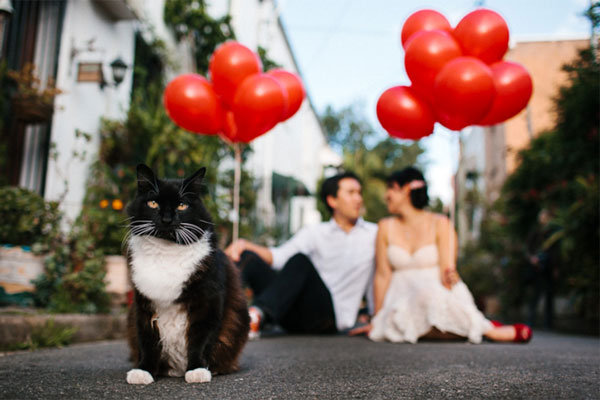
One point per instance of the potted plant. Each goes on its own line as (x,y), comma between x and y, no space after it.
(27,224)
(31,103)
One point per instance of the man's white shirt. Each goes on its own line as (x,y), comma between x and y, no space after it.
(344,260)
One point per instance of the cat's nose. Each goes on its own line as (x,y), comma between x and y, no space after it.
(166,219)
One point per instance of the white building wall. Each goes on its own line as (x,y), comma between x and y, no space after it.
(473,156)
(87,36)
(152,25)
(473,159)
(296,147)
(91,36)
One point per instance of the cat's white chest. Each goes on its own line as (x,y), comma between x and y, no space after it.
(172,323)
(160,268)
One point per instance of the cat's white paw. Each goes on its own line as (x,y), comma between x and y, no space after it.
(139,377)
(198,375)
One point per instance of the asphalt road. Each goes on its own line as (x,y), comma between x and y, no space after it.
(320,367)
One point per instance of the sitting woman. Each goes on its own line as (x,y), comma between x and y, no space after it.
(418,293)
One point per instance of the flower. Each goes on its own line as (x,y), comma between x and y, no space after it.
(117,205)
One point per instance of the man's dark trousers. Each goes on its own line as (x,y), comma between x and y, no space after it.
(295,297)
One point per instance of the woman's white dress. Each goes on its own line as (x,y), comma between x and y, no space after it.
(416,301)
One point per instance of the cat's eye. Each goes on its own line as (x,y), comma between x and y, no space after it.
(182,207)
(152,204)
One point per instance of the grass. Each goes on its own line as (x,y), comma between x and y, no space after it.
(48,335)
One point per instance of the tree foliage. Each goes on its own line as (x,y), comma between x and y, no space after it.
(190,19)
(559,172)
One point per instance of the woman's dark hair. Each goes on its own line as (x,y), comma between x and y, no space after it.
(418,196)
(331,185)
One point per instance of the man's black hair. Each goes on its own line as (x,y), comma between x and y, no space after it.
(331,185)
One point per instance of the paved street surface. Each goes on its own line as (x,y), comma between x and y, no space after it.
(313,367)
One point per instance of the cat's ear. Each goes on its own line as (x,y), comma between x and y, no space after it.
(146,179)
(194,182)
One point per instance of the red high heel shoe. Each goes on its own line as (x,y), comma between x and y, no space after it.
(523,333)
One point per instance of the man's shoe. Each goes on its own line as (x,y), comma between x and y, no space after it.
(256,317)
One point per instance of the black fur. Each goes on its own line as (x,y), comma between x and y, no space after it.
(212,298)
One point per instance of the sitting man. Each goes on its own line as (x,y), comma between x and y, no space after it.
(315,282)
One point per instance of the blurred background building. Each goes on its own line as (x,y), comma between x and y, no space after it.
(489,154)
(87,47)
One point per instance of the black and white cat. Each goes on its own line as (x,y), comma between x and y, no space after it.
(189,316)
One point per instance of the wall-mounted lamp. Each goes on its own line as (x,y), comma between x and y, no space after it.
(118,68)
(92,72)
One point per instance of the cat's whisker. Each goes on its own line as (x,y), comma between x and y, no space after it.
(188,238)
(125,240)
(195,234)
(195,230)
(136,229)
(193,227)
(143,229)
(140,222)
(180,237)
(194,237)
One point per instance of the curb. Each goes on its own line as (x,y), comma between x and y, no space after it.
(15,329)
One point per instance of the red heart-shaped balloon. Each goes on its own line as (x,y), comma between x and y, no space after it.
(463,92)
(258,105)
(483,34)
(293,86)
(427,53)
(423,20)
(513,91)
(192,104)
(229,66)
(404,114)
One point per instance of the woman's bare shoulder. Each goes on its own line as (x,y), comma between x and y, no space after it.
(384,222)
(442,223)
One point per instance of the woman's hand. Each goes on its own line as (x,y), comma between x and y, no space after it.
(449,277)
(360,330)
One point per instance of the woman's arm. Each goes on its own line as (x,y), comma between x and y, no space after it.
(447,243)
(383,270)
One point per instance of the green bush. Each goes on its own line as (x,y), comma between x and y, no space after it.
(73,281)
(26,218)
(47,335)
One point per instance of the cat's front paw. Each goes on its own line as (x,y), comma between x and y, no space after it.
(198,375)
(139,377)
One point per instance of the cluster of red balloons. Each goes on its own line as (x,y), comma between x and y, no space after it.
(458,76)
(240,102)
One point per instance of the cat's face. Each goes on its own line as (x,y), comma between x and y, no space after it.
(169,209)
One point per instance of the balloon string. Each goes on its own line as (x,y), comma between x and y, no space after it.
(236,190)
